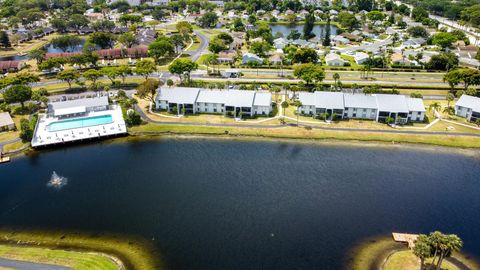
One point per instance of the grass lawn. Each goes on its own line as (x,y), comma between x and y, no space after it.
(406,260)
(196,44)
(135,253)
(11,135)
(307,133)
(75,260)
(350,59)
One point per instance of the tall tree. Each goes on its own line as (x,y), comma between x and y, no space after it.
(68,76)
(103,40)
(182,67)
(148,89)
(145,68)
(4,40)
(160,48)
(326,38)
(92,75)
(18,93)
(422,249)
(308,26)
(127,39)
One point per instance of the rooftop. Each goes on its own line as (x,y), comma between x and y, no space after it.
(182,95)
(469,102)
(392,103)
(83,102)
(360,101)
(329,100)
(5,119)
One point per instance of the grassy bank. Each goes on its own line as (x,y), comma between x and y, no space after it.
(72,259)
(134,253)
(384,253)
(306,133)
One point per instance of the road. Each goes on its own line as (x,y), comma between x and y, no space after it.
(370,47)
(194,55)
(14,264)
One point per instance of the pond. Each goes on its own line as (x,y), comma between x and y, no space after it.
(285,29)
(49,48)
(217,204)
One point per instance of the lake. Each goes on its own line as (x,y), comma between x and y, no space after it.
(218,204)
(48,48)
(285,29)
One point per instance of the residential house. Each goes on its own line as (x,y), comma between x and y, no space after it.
(360,57)
(280,43)
(226,57)
(77,107)
(340,40)
(333,59)
(276,59)
(6,122)
(11,66)
(468,107)
(250,57)
(399,59)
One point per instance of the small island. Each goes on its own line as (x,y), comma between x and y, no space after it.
(435,251)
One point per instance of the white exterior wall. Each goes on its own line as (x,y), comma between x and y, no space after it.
(361,113)
(463,112)
(203,107)
(162,104)
(416,116)
(306,109)
(336,62)
(262,110)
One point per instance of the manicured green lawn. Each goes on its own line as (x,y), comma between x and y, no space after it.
(406,260)
(134,252)
(75,260)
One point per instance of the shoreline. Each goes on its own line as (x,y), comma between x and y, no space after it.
(145,136)
(374,252)
(126,251)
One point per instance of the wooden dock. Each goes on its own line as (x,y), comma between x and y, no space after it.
(405,238)
(4,159)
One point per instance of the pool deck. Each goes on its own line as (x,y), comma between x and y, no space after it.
(44,137)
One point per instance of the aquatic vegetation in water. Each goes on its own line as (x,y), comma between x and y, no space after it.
(57,181)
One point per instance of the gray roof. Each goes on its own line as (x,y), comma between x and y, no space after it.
(469,102)
(329,100)
(307,99)
(392,103)
(263,99)
(83,102)
(179,95)
(212,96)
(240,98)
(5,119)
(415,104)
(360,101)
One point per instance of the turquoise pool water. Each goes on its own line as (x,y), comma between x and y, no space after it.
(79,123)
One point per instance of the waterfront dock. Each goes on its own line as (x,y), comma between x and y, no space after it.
(405,238)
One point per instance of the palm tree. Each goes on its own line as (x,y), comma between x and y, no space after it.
(336,77)
(450,97)
(435,106)
(298,104)
(449,244)
(422,249)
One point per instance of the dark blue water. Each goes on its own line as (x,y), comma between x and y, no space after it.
(246,205)
(285,29)
(49,49)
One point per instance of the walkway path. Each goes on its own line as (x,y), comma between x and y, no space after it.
(14,264)
(2,144)
(148,119)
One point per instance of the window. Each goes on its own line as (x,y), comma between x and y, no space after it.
(214,109)
(364,110)
(205,109)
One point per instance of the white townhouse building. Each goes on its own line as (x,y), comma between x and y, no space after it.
(376,107)
(226,102)
(468,107)
(318,103)
(360,106)
(401,108)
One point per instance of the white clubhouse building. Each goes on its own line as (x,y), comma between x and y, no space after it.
(78,119)
(376,107)
(468,107)
(226,102)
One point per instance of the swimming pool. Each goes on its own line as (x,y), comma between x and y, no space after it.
(79,123)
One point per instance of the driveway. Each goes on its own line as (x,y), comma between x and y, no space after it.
(14,264)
